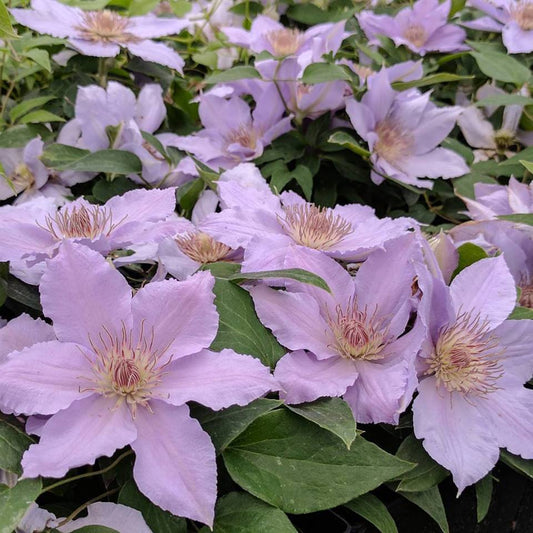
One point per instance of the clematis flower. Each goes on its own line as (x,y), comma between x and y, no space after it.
(513,18)
(471,401)
(120,373)
(422,28)
(103,33)
(232,134)
(481,134)
(34,231)
(349,343)
(403,130)
(23,174)
(266,225)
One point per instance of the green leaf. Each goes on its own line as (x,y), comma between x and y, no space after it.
(524,466)
(13,443)
(525,218)
(304,178)
(225,425)
(324,72)
(521,313)
(504,99)
(239,328)
(298,274)
(238,512)
(347,141)
(180,7)
(40,57)
(156,519)
(375,511)
(433,79)
(528,165)
(27,105)
(104,190)
(309,14)
(64,157)
(499,66)
(23,293)
(95,529)
(19,136)
(187,195)
(141,7)
(222,269)
(14,502)
(39,116)
(430,501)
(464,186)
(6,29)
(483,497)
(298,467)
(233,74)
(468,255)
(427,472)
(331,414)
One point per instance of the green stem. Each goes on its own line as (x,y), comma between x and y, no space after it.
(88,474)
(102,71)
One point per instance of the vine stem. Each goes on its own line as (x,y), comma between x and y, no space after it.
(87,474)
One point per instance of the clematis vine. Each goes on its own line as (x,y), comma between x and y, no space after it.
(120,372)
(471,400)
(422,28)
(513,18)
(349,343)
(103,33)
(403,131)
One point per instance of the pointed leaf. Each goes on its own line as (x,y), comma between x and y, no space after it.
(14,502)
(298,274)
(483,496)
(375,511)
(430,501)
(13,443)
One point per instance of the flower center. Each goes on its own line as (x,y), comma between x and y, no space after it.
(363,72)
(522,13)
(22,178)
(393,142)
(105,26)
(314,227)
(202,248)
(285,41)
(81,222)
(504,139)
(358,334)
(126,370)
(243,135)
(526,295)
(416,35)
(466,357)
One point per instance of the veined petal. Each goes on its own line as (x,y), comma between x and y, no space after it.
(158,53)
(181,314)
(305,378)
(175,462)
(83,294)
(77,436)
(43,378)
(22,332)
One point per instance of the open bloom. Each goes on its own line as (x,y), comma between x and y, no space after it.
(34,231)
(471,400)
(119,373)
(232,133)
(514,18)
(349,343)
(23,174)
(265,225)
(403,130)
(422,28)
(103,33)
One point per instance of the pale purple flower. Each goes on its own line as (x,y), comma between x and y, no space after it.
(471,400)
(513,18)
(102,33)
(120,373)
(404,71)
(403,131)
(422,28)
(349,343)
(232,133)
(23,174)
(480,133)
(440,255)
(265,225)
(34,231)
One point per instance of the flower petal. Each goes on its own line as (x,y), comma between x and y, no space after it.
(82,294)
(158,53)
(22,332)
(175,462)
(77,436)
(216,380)
(43,378)
(305,378)
(181,314)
